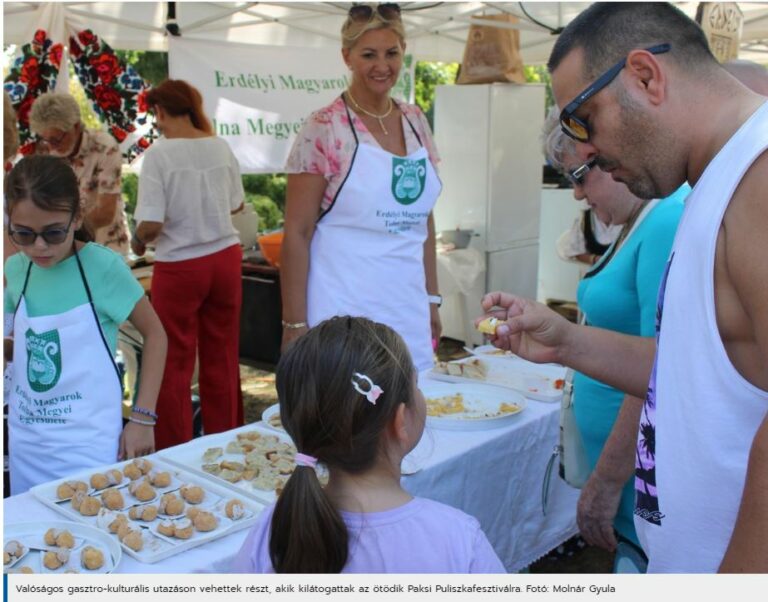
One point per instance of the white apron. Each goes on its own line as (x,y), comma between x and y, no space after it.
(65,407)
(367,253)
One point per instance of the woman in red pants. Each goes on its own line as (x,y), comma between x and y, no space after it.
(189,187)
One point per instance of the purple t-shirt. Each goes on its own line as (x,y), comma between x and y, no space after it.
(421,536)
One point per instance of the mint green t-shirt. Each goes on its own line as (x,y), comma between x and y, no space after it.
(60,288)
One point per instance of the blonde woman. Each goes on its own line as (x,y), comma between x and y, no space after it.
(359,233)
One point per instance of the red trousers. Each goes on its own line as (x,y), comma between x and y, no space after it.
(198,302)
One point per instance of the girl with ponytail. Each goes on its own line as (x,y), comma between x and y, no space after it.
(349,400)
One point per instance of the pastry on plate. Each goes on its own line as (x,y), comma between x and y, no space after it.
(90,506)
(192,512)
(132,472)
(212,468)
(113,499)
(55,559)
(99,481)
(134,540)
(14,548)
(167,528)
(142,490)
(234,447)
(114,476)
(234,509)
(160,479)
(230,465)
(171,505)
(59,538)
(212,454)
(205,521)
(146,513)
(184,529)
(233,476)
(66,490)
(6,558)
(193,494)
(91,558)
(143,465)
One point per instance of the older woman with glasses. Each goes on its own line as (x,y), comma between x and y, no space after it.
(96,159)
(618,293)
(359,233)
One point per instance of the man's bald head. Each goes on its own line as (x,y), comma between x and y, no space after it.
(752,75)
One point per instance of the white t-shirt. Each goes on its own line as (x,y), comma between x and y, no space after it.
(191,185)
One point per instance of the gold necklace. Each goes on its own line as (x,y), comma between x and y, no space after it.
(374,115)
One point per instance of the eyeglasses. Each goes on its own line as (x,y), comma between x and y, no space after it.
(575,127)
(388,11)
(576,176)
(53,141)
(52,236)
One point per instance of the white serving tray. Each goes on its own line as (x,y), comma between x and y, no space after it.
(267,414)
(155,548)
(539,382)
(482,403)
(189,456)
(32,534)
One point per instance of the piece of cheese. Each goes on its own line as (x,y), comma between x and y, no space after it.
(488,326)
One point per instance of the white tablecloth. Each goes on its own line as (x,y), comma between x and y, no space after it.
(494,475)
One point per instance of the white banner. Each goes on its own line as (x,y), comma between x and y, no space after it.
(259,96)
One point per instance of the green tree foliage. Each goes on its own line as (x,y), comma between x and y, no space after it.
(538,74)
(427,77)
(268,185)
(270,215)
(130,192)
(151,66)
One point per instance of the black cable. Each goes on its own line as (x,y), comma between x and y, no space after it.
(553,31)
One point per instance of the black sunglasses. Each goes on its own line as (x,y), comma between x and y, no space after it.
(388,11)
(575,127)
(576,176)
(52,236)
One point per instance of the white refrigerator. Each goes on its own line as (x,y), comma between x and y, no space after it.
(488,137)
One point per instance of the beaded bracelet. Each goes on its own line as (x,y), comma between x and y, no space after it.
(142,422)
(144,411)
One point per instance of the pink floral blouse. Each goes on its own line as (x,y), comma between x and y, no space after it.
(325,145)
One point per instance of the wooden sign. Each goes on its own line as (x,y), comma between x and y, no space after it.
(722,24)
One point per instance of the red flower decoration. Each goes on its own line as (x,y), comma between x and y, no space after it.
(118,133)
(22,111)
(130,127)
(40,37)
(86,37)
(74,48)
(28,148)
(106,66)
(30,72)
(141,101)
(143,143)
(54,54)
(107,98)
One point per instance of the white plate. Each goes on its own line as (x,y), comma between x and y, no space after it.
(91,536)
(481,402)
(513,373)
(273,410)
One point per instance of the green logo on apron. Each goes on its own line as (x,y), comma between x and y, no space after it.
(408,179)
(43,360)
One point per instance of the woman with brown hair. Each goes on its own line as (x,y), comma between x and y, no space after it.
(349,400)
(188,188)
(359,233)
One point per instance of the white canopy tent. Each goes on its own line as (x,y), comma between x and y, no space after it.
(436,31)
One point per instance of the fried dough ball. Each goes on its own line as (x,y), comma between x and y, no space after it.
(184,529)
(160,479)
(142,490)
(91,558)
(113,499)
(143,465)
(60,539)
(132,472)
(90,506)
(67,490)
(145,513)
(114,476)
(77,499)
(134,540)
(99,481)
(166,528)
(205,521)
(235,509)
(193,494)
(55,559)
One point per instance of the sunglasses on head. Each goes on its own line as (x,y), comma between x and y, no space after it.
(576,176)
(575,127)
(388,11)
(52,236)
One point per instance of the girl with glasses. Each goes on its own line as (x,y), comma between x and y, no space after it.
(64,301)
(359,233)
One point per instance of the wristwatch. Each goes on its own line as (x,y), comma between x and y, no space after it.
(435,299)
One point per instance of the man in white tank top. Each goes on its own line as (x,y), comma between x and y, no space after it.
(640,92)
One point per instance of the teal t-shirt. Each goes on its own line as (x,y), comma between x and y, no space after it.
(60,288)
(622,297)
